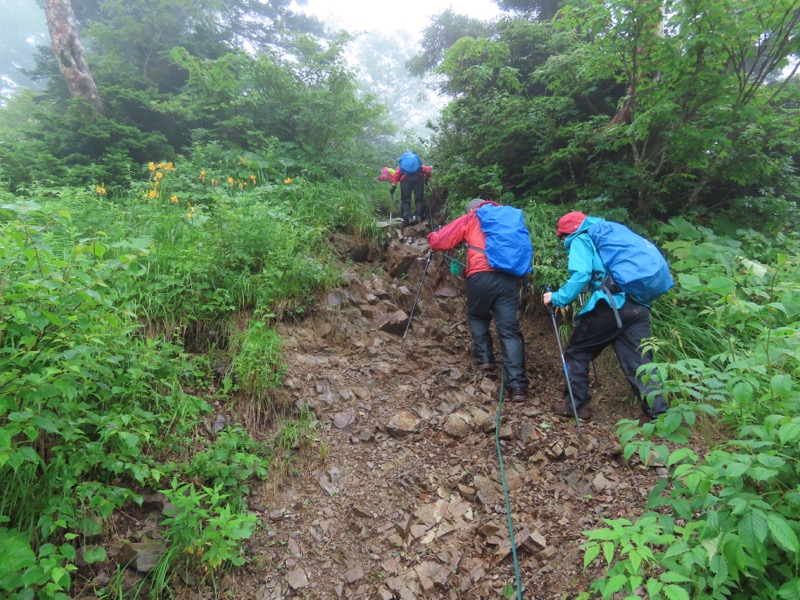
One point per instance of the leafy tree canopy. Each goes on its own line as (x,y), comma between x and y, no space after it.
(444,31)
(543,10)
(659,112)
(173,74)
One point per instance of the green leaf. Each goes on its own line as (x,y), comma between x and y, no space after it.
(15,552)
(682,508)
(690,282)
(789,433)
(719,568)
(782,533)
(781,386)
(790,590)
(615,584)
(629,450)
(733,552)
(94,554)
(653,586)
(636,561)
(681,455)
(590,553)
(675,592)
(743,392)
(761,473)
(673,577)
(711,546)
(753,526)
(608,552)
(770,461)
(60,576)
(721,285)
(5,439)
(735,470)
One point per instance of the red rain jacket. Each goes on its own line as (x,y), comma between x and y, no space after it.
(465,229)
(398,174)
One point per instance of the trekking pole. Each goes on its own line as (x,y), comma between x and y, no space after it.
(430,215)
(419,289)
(564,365)
(430,201)
(594,361)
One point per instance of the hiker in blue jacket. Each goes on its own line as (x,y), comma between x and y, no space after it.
(596,325)
(411,174)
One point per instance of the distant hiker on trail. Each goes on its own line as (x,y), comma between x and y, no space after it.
(386,174)
(411,174)
(599,324)
(491,293)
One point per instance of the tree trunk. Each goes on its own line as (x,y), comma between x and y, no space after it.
(69,52)
(625,111)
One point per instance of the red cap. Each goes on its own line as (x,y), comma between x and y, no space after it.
(569,223)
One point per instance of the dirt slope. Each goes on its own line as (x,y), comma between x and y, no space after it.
(407,499)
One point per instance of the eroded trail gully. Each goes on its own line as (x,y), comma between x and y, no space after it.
(407,501)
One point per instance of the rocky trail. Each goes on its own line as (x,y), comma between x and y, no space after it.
(403,497)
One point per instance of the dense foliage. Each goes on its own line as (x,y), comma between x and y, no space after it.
(148,251)
(662,109)
(115,317)
(192,79)
(723,525)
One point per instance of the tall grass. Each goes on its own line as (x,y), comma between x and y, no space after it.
(257,369)
(100,301)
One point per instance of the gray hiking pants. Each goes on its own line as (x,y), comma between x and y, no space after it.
(494,295)
(597,329)
(412,183)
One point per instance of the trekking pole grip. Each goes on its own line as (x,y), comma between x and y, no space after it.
(546,288)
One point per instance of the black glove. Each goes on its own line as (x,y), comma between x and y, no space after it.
(391,191)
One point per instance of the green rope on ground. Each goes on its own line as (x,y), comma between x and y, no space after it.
(505,488)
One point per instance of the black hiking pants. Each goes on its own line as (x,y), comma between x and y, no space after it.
(493,295)
(412,183)
(597,329)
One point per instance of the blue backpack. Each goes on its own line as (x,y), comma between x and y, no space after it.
(508,243)
(410,162)
(635,265)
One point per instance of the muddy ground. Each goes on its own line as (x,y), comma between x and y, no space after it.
(402,496)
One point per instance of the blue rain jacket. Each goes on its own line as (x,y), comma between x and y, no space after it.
(586,271)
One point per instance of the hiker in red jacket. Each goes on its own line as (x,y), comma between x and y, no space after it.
(413,182)
(490,294)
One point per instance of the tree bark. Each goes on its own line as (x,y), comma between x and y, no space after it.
(69,53)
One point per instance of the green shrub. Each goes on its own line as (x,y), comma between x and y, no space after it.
(204,529)
(722,526)
(82,395)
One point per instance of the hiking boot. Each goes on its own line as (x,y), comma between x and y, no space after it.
(564,409)
(519,394)
(645,419)
(484,367)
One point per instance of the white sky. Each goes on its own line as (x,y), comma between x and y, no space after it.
(386,16)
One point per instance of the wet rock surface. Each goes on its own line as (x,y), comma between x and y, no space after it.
(403,496)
